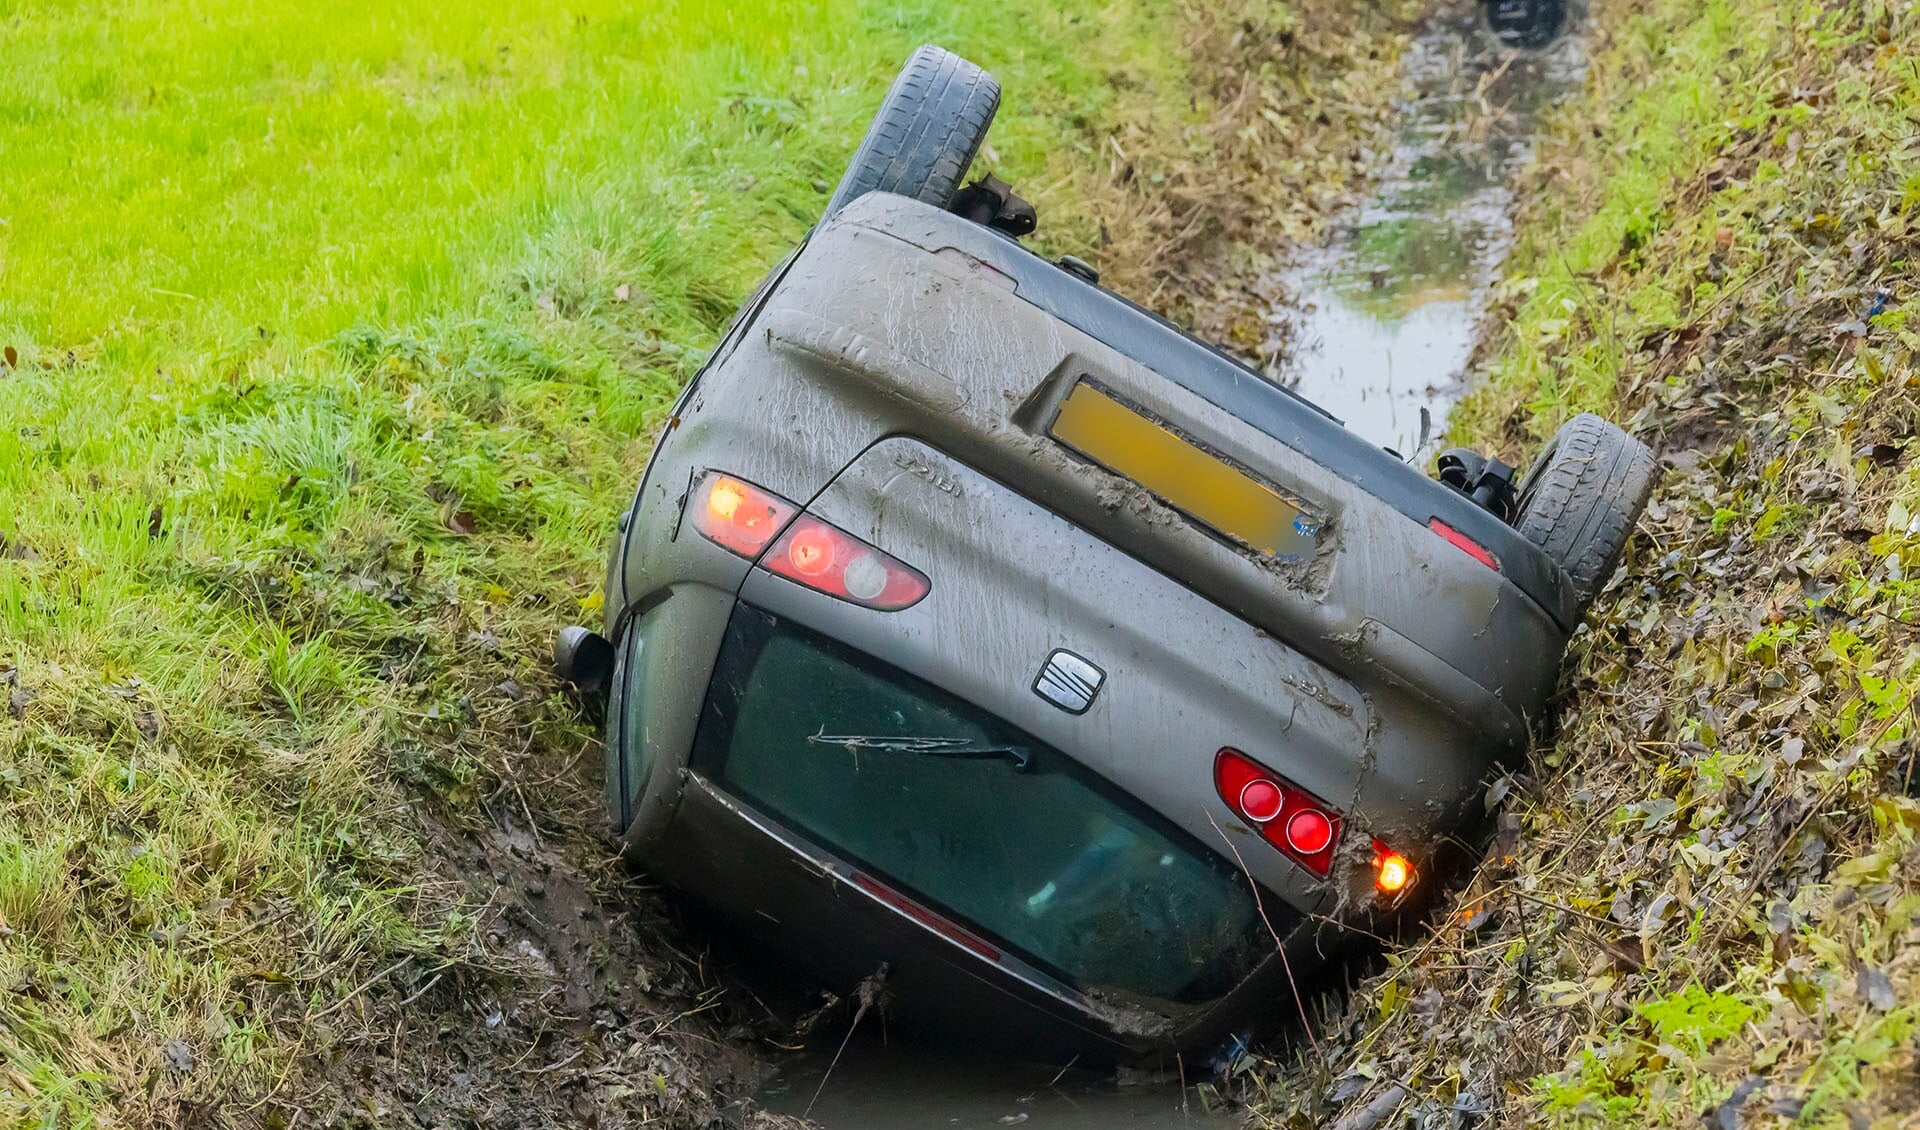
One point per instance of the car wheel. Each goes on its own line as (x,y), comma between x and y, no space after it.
(1581,498)
(926,133)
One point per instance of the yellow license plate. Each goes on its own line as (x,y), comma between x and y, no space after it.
(1191,479)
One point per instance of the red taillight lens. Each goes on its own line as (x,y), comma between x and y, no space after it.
(1304,828)
(1466,544)
(830,560)
(1261,801)
(1309,831)
(925,916)
(736,515)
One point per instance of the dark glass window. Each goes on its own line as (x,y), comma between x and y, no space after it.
(973,817)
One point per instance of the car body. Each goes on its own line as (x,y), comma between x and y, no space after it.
(974,625)
(899,378)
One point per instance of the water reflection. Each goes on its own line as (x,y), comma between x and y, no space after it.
(1379,323)
(1526,23)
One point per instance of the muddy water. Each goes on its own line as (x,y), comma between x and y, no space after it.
(877,1086)
(1379,323)
(1373,326)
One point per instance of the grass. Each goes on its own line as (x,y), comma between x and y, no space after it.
(333,337)
(331,340)
(1704,897)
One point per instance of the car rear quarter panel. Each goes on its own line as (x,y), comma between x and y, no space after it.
(668,653)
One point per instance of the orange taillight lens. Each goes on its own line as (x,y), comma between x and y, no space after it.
(736,515)
(1392,872)
(772,532)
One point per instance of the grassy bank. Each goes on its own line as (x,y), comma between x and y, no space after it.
(331,340)
(1703,900)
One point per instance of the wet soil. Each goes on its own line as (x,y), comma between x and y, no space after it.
(575,1002)
(1378,324)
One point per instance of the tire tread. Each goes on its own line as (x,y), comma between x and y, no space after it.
(927,131)
(1580,501)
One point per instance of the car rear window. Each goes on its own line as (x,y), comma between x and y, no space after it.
(927,792)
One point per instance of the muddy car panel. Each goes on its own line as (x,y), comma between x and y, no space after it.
(665,660)
(901,378)
(952,354)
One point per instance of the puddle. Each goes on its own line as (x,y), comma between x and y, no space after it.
(880,1086)
(1379,323)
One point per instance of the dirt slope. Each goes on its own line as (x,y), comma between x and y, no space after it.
(1704,901)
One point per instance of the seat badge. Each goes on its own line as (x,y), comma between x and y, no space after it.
(1068,681)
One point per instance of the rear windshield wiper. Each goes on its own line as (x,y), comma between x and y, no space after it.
(1021,756)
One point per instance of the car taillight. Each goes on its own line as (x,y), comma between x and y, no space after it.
(925,916)
(1287,816)
(1309,831)
(1392,872)
(740,517)
(828,559)
(1465,544)
(736,515)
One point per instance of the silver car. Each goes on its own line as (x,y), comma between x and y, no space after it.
(974,623)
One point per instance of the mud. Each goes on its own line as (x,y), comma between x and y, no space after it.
(573,1003)
(880,1086)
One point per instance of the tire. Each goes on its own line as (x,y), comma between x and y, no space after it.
(926,133)
(1582,497)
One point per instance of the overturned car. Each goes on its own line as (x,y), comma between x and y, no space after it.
(975,623)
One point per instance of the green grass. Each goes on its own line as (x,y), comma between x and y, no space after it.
(335,336)
(1709,83)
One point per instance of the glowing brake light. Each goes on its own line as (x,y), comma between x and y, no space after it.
(1261,800)
(1293,820)
(1392,872)
(1309,831)
(1465,544)
(830,560)
(737,515)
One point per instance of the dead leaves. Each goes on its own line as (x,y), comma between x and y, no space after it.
(1698,906)
(1877,988)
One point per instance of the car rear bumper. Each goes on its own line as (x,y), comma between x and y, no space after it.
(782,895)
